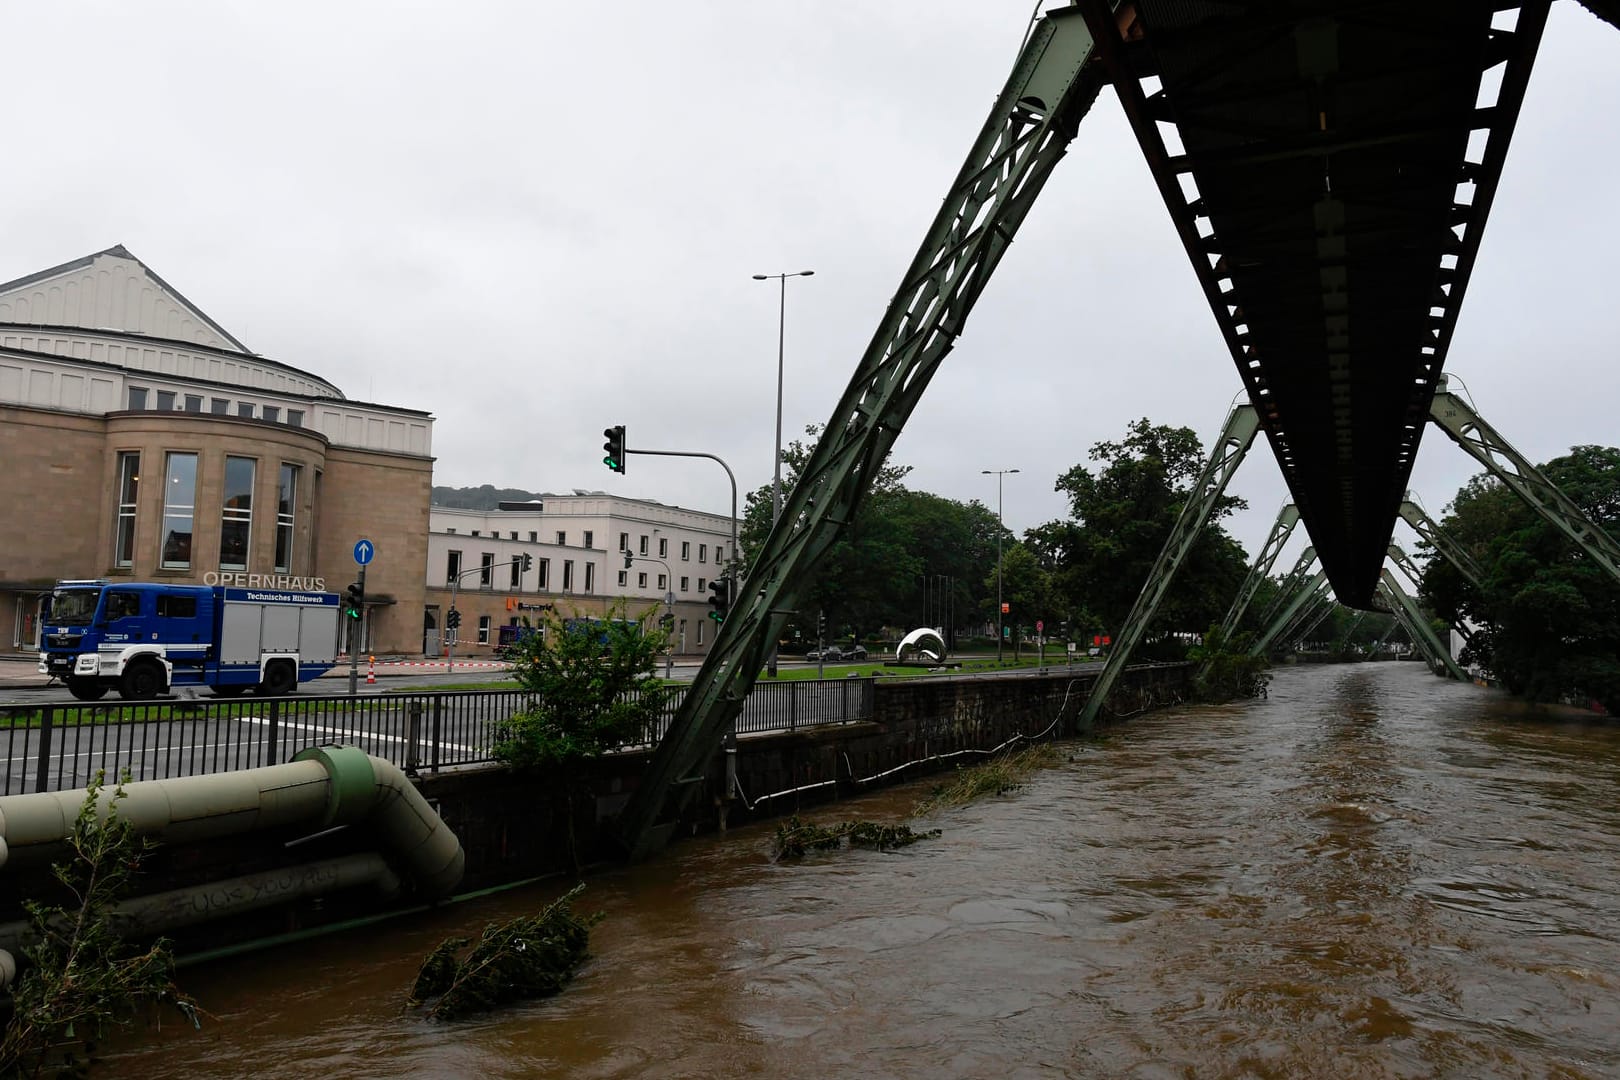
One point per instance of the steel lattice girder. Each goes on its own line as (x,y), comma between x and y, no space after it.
(1406,610)
(1281,530)
(1410,569)
(1233,443)
(1317,587)
(1291,583)
(1481,441)
(1442,542)
(1028,131)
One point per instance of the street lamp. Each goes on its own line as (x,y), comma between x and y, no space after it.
(776,475)
(998,474)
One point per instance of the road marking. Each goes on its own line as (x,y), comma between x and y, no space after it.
(325,730)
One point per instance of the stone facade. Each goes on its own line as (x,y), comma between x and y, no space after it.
(110,380)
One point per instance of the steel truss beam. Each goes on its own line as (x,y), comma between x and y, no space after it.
(1481,441)
(1027,133)
(1344,642)
(1422,634)
(1290,585)
(1281,530)
(1320,601)
(1312,623)
(1230,447)
(1442,542)
(1317,586)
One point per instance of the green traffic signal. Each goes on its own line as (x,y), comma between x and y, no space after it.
(613,448)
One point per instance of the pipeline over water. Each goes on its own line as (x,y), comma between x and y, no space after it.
(1371,873)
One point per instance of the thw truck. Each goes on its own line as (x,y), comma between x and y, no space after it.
(142,639)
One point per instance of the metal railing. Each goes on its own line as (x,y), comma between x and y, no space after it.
(56,746)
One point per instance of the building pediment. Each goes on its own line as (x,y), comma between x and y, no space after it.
(110,290)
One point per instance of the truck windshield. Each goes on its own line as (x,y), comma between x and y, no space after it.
(74,607)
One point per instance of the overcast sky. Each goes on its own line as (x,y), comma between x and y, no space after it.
(538,219)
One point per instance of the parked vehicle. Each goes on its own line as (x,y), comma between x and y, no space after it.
(835,653)
(142,639)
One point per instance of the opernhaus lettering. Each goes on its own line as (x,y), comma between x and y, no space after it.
(265,581)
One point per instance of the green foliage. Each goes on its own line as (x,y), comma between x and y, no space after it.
(872,576)
(1546,617)
(593,686)
(527,957)
(1120,517)
(794,837)
(83,978)
(1227,672)
(483,497)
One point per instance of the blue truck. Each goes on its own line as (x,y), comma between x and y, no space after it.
(143,639)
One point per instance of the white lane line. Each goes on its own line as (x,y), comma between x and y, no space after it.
(324,730)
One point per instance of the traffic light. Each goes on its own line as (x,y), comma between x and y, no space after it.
(627,560)
(453,619)
(613,448)
(354,600)
(720,601)
(528,562)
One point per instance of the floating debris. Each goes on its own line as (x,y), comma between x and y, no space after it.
(998,776)
(527,957)
(794,837)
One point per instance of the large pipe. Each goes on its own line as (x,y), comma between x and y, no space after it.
(322,787)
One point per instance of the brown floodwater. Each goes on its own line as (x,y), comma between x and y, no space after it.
(1371,873)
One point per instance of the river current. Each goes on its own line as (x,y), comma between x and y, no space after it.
(1371,873)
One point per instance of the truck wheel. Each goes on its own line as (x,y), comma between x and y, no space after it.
(86,689)
(280,679)
(142,681)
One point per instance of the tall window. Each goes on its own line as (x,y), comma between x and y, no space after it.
(286,508)
(545,575)
(700,632)
(236,528)
(643,550)
(590,577)
(624,577)
(590,538)
(703,553)
(663,582)
(452,568)
(517,571)
(129,482)
(686,584)
(568,575)
(562,538)
(179,505)
(641,581)
(663,547)
(624,541)
(483,629)
(686,549)
(486,570)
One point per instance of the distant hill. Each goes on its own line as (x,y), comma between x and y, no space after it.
(483,497)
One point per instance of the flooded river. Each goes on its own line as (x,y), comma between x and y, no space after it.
(1372,873)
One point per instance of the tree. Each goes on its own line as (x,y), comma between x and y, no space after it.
(1546,618)
(874,575)
(84,978)
(1120,517)
(593,687)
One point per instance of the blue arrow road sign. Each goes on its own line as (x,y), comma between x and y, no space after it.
(363,551)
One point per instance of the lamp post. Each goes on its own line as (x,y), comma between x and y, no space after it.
(776,474)
(998,474)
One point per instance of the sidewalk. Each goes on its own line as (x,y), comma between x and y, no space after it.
(20,671)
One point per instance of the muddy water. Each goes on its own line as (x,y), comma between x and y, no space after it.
(1372,873)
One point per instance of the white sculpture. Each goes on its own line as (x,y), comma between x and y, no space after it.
(923,645)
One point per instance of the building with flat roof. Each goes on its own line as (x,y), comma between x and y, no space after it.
(140,440)
(587,550)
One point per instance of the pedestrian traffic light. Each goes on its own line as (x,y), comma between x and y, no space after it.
(613,448)
(528,562)
(354,600)
(720,600)
(627,560)
(453,619)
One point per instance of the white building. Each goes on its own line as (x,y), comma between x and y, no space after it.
(578,546)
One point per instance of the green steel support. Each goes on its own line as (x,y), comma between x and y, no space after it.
(1321,601)
(1418,627)
(1480,440)
(1305,595)
(1305,634)
(1442,542)
(1344,642)
(1234,442)
(1290,585)
(1403,562)
(1287,518)
(1051,88)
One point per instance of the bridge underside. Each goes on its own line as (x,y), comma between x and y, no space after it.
(1330,167)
